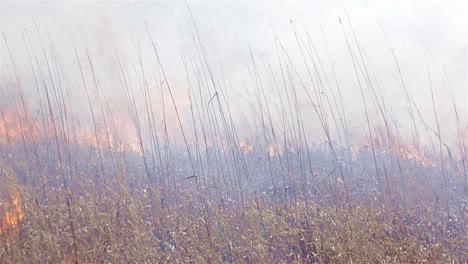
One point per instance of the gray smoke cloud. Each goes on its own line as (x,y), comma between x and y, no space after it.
(423,34)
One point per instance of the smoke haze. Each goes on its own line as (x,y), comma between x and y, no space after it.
(424,35)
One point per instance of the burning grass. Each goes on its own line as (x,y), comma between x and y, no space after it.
(13,215)
(154,181)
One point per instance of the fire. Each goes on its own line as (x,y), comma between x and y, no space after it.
(245,146)
(13,216)
(412,152)
(398,147)
(120,132)
(271,151)
(13,126)
(275,150)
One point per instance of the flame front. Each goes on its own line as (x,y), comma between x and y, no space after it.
(21,127)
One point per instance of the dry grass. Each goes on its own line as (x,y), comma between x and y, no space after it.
(120,227)
(150,180)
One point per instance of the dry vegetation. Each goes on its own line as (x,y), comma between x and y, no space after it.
(121,227)
(203,194)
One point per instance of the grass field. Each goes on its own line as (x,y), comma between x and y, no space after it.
(197,174)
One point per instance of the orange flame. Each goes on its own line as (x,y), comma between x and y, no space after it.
(13,216)
(397,146)
(120,133)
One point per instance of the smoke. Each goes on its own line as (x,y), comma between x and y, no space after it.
(425,36)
